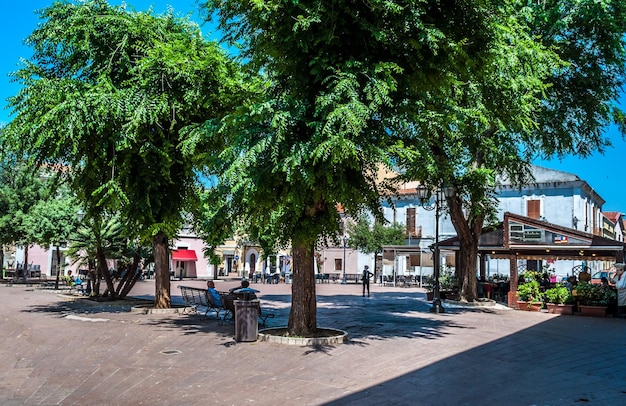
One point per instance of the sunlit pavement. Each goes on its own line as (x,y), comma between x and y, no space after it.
(58,352)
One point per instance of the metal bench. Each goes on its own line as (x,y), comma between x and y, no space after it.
(198,300)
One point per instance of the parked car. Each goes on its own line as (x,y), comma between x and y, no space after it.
(596,278)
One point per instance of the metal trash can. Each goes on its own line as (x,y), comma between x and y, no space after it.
(246,320)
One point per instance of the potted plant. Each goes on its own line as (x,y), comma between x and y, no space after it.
(559,300)
(594,299)
(528,293)
(447,284)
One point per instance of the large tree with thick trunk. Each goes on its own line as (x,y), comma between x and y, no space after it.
(451,92)
(552,94)
(120,100)
(353,88)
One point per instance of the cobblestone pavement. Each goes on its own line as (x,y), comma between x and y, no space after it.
(57,352)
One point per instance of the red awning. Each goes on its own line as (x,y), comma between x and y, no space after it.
(184,255)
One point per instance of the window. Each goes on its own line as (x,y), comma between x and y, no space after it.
(534,209)
(338,264)
(410,222)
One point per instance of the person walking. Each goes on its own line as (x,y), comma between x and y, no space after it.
(366,280)
(620,285)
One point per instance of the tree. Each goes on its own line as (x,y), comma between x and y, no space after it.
(350,85)
(52,221)
(123,100)
(552,93)
(97,239)
(314,137)
(370,238)
(21,189)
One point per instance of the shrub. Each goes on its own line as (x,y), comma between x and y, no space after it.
(529,292)
(595,295)
(558,295)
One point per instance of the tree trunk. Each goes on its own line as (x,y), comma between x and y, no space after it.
(162,299)
(468,262)
(303,315)
(102,266)
(468,231)
(133,275)
(58,252)
(25,265)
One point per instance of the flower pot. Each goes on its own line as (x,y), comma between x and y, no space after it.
(452,296)
(593,311)
(529,307)
(560,308)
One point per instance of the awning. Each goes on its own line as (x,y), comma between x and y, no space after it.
(184,255)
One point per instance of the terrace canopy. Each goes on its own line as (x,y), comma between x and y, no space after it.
(520,237)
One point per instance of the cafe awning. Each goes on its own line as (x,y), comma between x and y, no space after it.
(523,237)
(184,255)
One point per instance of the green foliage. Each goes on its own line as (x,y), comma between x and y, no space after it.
(21,189)
(123,102)
(447,280)
(529,291)
(370,238)
(53,220)
(595,295)
(123,98)
(558,295)
(451,93)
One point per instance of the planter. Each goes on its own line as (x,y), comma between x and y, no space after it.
(529,307)
(593,311)
(431,295)
(560,308)
(450,295)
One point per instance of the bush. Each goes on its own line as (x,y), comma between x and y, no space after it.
(595,295)
(529,292)
(558,295)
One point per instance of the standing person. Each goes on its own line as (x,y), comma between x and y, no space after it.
(366,280)
(620,285)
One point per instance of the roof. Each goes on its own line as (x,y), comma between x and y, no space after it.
(612,215)
(524,237)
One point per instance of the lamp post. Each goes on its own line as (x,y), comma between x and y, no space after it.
(424,196)
(344,239)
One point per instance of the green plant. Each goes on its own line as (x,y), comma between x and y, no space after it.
(529,292)
(558,295)
(595,295)
(447,280)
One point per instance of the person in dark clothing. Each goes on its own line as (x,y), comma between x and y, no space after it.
(366,280)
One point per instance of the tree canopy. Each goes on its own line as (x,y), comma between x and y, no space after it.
(370,238)
(449,93)
(120,101)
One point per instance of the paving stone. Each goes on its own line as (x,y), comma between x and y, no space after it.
(398,353)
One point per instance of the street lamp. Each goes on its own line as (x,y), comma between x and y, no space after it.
(424,196)
(344,239)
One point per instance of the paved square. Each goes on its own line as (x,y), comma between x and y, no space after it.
(59,352)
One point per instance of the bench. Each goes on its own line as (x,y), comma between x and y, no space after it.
(198,299)
(78,287)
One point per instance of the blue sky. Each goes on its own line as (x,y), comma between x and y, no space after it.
(604,173)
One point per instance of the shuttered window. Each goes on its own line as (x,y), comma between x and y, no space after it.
(410,221)
(534,209)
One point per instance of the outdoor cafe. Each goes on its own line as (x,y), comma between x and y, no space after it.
(523,238)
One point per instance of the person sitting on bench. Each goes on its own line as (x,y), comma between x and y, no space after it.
(215,296)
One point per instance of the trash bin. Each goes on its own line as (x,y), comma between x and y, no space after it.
(246,320)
